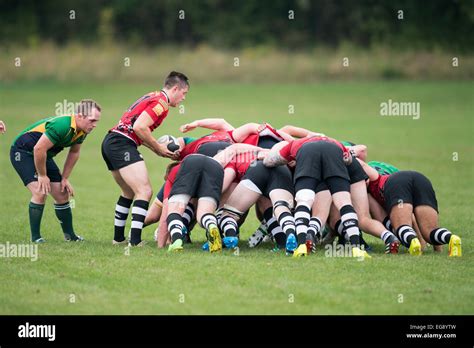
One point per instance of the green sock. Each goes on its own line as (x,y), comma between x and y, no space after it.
(64,214)
(36,213)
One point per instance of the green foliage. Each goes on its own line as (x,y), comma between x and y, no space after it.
(241,23)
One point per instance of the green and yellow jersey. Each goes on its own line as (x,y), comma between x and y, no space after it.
(61,130)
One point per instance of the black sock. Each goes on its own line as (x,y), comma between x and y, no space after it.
(188,216)
(302,216)
(406,234)
(440,236)
(350,224)
(35,213)
(64,215)
(139,211)
(121,214)
(388,224)
(287,223)
(175,226)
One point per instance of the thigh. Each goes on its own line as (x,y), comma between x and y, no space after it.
(427,219)
(242,198)
(119,152)
(401,215)
(423,192)
(135,176)
(24,165)
(52,171)
(127,191)
(398,190)
(360,199)
(280,178)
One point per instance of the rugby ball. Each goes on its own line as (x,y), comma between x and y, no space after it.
(173,145)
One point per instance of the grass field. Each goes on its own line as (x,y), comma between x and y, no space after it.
(104,280)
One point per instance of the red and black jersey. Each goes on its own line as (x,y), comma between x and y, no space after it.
(193,146)
(290,150)
(241,163)
(170,181)
(376,188)
(266,130)
(154,103)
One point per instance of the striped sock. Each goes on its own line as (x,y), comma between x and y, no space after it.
(175,226)
(350,224)
(387,223)
(208,219)
(188,215)
(287,223)
(302,216)
(406,234)
(228,225)
(388,237)
(314,227)
(139,211)
(440,236)
(121,214)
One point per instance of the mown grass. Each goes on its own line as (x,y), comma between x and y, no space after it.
(104,280)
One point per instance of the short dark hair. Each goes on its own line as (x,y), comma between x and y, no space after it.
(176,78)
(85,107)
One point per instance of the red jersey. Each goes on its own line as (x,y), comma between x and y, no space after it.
(267,130)
(376,188)
(193,146)
(170,180)
(241,163)
(154,103)
(289,151)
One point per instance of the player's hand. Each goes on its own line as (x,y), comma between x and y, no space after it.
(187,127)
(164,152)
(347,158)
(44,185)
(66,185)
(3,128)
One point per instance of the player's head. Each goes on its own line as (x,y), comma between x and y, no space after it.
(88,114)
(176,86)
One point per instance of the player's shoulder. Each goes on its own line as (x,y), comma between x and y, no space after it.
(159,102)
(60,123)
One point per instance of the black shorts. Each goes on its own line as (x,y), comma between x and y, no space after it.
(268,179)
(320,160)
(356,172)
(24,164)
(119,151)
(199,176)
(160,195)
(211,149)
(267,142)
(409,187)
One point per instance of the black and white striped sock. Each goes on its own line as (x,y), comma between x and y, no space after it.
(208,219)
(175,226)
(314,227)
(121,214)
(388,237)
(302,216)
(275,229)
(350,224)
(287,223)
(440,236)
(228,226)
(406,234)
(188,215)
(139,211)
(387,223)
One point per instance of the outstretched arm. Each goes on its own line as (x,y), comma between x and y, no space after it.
(371,172)
(298,131)
(225,156)
(218,124)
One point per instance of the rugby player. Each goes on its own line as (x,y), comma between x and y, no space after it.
(203,178)
(403,194)
(32,154)
(120,153)
(318,159)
